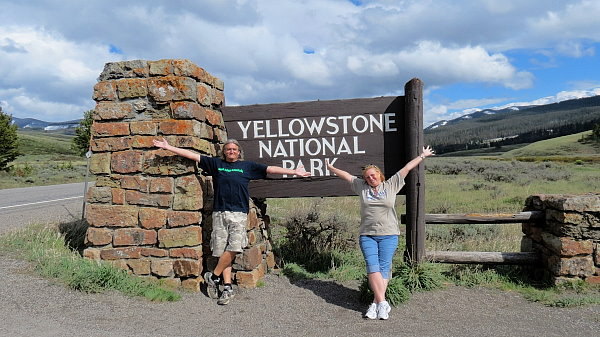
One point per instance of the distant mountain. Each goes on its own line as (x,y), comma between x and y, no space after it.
(36,124)
(514,125)
(474,115)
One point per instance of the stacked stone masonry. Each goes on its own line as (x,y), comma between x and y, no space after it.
(568,241)
(149,211)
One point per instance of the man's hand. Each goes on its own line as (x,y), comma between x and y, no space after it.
(300,171)
(163,144)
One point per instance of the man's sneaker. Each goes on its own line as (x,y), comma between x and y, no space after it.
(226,296)
(371,312)
(212,286)
(383,310)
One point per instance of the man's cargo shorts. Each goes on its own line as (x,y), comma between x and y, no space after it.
(229,232)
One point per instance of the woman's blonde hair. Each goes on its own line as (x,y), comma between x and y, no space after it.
(372,166)
(231,141)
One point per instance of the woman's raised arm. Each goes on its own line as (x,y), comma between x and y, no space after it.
(427,151)
(340,173)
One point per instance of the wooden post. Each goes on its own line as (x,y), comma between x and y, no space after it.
(415,187)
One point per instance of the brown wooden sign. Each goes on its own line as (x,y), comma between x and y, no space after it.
(349,133)
(386,131)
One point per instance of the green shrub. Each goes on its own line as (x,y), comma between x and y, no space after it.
(420,277)
(64,166)
(24,170)
(315,241)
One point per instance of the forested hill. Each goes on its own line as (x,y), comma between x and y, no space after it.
(511,126)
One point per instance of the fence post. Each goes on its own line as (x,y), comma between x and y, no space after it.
(415,187)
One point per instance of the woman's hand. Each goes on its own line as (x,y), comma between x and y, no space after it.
(427,151)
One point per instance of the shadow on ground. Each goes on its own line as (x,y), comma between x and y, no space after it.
(333,293)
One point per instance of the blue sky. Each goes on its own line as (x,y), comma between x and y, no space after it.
(470,54)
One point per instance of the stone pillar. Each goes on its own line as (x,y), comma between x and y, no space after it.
(569,239)
(149,210)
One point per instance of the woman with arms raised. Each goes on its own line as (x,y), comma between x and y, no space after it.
(379,225)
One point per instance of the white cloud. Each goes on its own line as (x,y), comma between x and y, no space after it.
(464,64)
(575,49)
(365,64)
(49,77)
(309,68)
(247,89)
(577,19)
(437,110)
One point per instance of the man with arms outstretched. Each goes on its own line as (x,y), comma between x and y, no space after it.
(231,177)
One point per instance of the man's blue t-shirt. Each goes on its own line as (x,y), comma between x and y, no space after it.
(230,181)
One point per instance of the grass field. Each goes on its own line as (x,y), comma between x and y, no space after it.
(566,146)
(36,142)
(47,160)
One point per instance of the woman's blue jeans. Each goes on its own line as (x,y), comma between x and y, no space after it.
(378,251)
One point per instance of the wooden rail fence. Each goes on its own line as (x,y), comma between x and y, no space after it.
(522,258)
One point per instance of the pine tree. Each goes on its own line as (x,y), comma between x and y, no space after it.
(596,133)
(8,141)
(81,141)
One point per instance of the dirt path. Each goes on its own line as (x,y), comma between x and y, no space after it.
(32,306)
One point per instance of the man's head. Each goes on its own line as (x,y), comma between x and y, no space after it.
(232,151)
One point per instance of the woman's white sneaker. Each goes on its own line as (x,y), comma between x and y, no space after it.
(371,312)
(383,310)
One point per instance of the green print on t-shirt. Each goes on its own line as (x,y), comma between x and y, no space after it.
(230,170)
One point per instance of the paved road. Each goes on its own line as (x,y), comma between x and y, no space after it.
(40,204)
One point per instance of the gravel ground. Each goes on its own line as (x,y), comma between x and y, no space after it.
(32,306)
